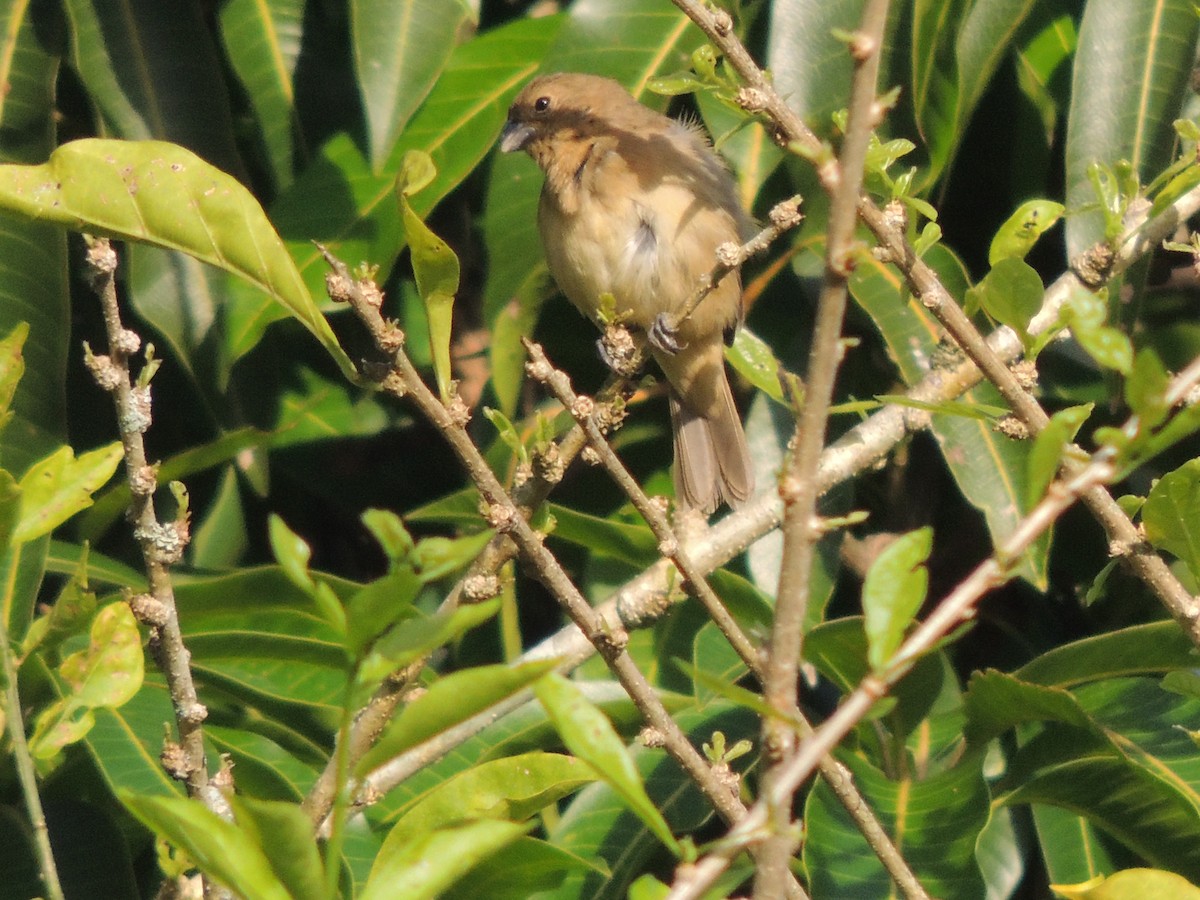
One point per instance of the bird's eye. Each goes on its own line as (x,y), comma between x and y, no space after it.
(541,104)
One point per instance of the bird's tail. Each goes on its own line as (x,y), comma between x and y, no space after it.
(712,461)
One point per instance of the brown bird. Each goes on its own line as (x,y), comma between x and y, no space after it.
(635,205)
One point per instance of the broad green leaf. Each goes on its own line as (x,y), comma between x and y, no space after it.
(10,509)
(377,606)
(263,43)
(513,323)
(1042,59)
(1011,293)
(221,849)
(60,486)
(1131,72)
(1086,313)
(1171,514)
(633,544)
(1135,774)
(154,74)
(1152,649)
(414,637)
(996,702)
(1020,231)
(513,788)
(263,640)
(1146,388)
(399,50)
(936,86)
(590,736)
(108,673)
(285,835)
(1074,850)
(526,868)
(1132,884)
(165,195)
(753,359)
(65,559)
(427,866)
(893,591)
(264,768)
(937,820)
(34,284)
(435,265)
(125,743)
(448,701)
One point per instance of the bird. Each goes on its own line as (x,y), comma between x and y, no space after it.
(633,207)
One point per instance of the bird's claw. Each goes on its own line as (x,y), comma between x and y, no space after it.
(664,335)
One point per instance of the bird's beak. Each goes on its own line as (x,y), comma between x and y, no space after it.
(515,136)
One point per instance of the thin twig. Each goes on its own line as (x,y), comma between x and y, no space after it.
(161,543)
(26,774)
(799,488)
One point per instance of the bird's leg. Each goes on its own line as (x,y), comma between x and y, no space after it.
(664,334)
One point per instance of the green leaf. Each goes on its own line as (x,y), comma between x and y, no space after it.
(414,637)
(892,593)
(996,702)
(221,849)
(1131,73)
(1146,388)
(153,73)
(590,736)
(937,820)
(263,44)
(375,608)
(1171,514)
(165,195)
(634,544)
(514,322)
(427,866)
(1133,773)
(1021,230)
(293,553)
(12,367)
(73,608)
(753,359)
(60,486)
(106,674)
(435,557)
(1132,884)
(1046,455)
(399,51)
(1151,649)
(1011,293)
(448,701)
(435,265)
(527,867)
(513,788)
(389,532)
(286,837)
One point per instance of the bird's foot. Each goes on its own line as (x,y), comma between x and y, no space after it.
(664,335)
(619,350)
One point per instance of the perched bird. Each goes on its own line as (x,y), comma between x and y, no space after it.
(634,205)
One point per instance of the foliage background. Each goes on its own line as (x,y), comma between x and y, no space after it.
(312,106)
